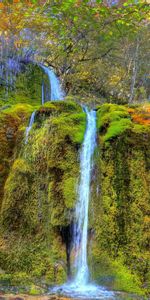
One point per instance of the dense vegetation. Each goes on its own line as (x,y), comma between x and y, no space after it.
(100,52)
(97,49)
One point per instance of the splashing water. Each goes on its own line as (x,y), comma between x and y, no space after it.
(56,93)
(30,126)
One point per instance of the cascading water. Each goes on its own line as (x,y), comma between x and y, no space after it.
(81,228)
(30,126)
(56,93)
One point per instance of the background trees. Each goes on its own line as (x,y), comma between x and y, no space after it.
(99,48)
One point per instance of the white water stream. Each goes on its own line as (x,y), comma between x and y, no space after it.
(56,92)
(30,126)
(82,206)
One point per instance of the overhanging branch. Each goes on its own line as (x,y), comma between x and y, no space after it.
(96,58)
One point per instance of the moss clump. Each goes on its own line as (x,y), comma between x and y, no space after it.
(107,113)
(63,106)
(72,126)
(113,120)
(117,128)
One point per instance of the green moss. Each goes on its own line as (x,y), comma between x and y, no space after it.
(5,279)
(124,280)
(72,126)
(140,129)
(107,113)
(112,120)
(20,279)
(27,88)
(69,190)
(16,192)
(60,275)
(116,128)
(58,107)
(115,275)
(35,290)
(19,110)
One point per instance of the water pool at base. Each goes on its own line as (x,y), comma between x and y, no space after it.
(103,296)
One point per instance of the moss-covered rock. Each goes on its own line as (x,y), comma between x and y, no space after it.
(120,199)
(12,126)
(40,194)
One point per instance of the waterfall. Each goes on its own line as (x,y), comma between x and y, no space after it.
(56,93)
(81,228)
(30,126)
(81,287)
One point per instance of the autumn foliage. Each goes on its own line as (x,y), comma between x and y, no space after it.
(141,115)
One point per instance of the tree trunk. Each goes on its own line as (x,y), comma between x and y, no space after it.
(134,71)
